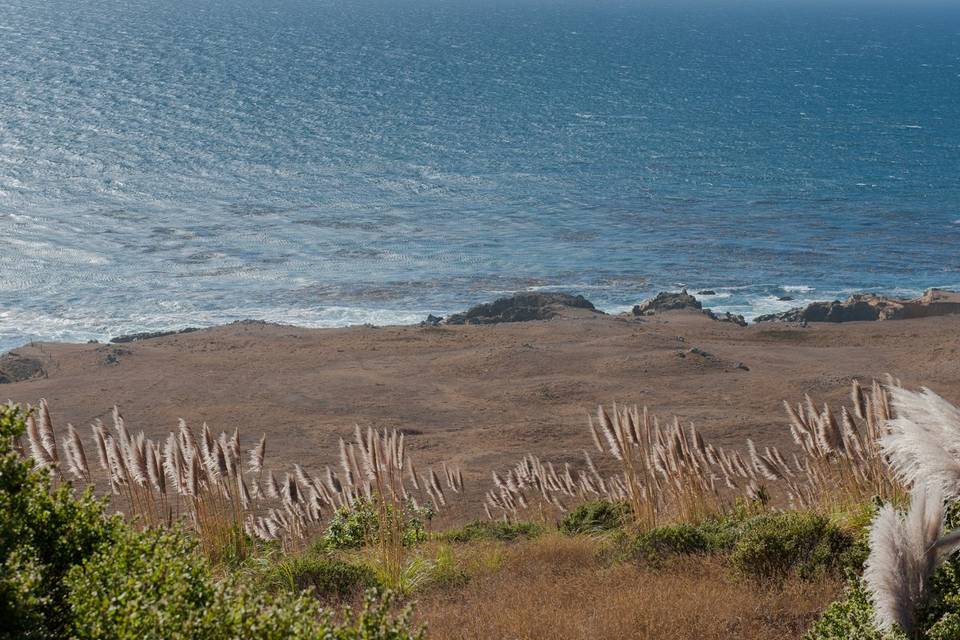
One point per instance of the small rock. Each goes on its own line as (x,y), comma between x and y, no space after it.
(707,292)
(785,298)
(742,366)
(432,321)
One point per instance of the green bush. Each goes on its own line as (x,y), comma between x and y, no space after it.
(43,533)
(669,540)
(710,536)
(327,577)
(850,618)
(355,526)
(595,516)
(156,586)
(773,545)
(487,530)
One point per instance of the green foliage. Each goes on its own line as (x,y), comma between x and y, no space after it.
(487,530)
(669,540)
(940,616)
(850,618)
(595,516)
(446,572)
(773,545)
(327,577)
(352,527)
(43,533)
(157,586)
(710,536)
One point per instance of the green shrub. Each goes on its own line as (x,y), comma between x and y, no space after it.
(43,533)
(487,530)
(327,577)
(669,540)
(355,526)
(773,545)
(710,536)
(849,618)
(157,586)
(595,516)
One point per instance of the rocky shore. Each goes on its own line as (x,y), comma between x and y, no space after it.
(870,307)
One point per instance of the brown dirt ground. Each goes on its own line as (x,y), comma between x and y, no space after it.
(482,396)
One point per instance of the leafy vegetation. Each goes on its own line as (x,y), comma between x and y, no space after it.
(595,516)
(357,525)
(493,530)
(70,572)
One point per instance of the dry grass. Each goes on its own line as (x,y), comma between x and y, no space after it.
(556,587)
(201,480)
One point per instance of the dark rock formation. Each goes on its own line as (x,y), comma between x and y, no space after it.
(17,368)
(726,316)
(521,307)
(666,301)
(868,306)
(432,321)
(707,292)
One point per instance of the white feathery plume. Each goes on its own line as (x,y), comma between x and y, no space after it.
(40,455)
(99,437)
(923,441)
(256,455)
(904,552)
(47,436)
(79,465)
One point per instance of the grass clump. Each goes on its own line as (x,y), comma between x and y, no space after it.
(324,576)
(595,516)
(493,530)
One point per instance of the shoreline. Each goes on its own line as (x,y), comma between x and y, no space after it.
(701,299)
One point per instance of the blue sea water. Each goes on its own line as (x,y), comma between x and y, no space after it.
(166,163)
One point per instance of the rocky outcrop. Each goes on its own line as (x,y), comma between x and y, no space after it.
(521,307)
(726,316)
(868,307)
(667,301)
(17,368)
(148,335)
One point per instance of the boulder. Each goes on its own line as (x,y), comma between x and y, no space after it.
(521,307)
(666,301)
(432,321)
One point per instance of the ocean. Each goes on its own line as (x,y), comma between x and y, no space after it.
(172,163)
